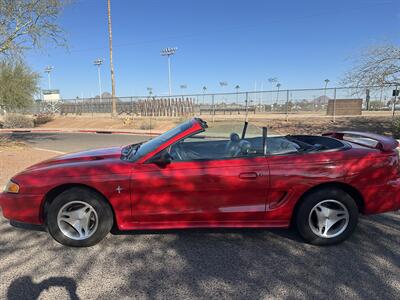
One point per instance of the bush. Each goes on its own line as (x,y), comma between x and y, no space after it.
(396,128)
(17,121)
(147,125)
(43,119)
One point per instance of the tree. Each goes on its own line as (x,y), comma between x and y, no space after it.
(377,66)
(18,85)
(26,24)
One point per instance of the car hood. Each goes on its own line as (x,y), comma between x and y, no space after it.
(90,155)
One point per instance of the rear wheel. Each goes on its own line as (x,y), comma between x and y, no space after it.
(327,216)
(79,217)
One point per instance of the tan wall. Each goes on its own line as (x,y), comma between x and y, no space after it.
(344,107)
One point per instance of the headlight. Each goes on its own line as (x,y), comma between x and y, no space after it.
(11,187)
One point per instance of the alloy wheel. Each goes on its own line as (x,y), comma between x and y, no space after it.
(328,218)
(77,220)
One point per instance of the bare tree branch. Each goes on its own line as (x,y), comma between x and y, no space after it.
(26,24)
(377,66)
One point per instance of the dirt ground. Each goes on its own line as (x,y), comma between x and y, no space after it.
(108,123)
(381,125)
(16,158)
(378,122)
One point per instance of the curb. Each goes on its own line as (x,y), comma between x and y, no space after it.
(116,132)
(77,131)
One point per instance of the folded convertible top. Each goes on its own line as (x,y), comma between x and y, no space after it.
(383,143)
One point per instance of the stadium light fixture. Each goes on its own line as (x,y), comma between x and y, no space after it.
(48,70)
(169,52)
(326,84)
(277,94)
(237,87)
(272,80)
(98,62)
(204,92)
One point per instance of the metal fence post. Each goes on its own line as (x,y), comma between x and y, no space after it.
(91,105)
(394,104)
(334,106)
(213,108)
(247,106)
(287,105)
(76,107)
(131,107)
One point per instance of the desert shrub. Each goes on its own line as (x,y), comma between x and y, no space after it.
(17,121)
(43,119)
(147,125)
(10,143)
(396,128)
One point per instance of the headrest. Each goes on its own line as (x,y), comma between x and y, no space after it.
(235,137)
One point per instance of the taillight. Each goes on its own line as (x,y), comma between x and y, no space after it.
(398,159)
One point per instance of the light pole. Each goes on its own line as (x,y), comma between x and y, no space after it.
(222,84)
(277,93)
(150,90)
(204,91)
(237,87)
(168,52)
(98,62)
(183,87)
(326,84)
(272,80)
(48,70)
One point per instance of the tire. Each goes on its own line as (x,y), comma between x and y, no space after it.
(326,216)
(79,217)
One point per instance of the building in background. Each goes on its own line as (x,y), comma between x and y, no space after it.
(51,95)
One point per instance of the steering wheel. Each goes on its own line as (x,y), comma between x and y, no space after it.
(178,151)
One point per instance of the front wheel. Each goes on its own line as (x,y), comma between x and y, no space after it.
(79,217)
(327,216)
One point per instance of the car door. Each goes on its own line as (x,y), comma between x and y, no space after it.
(205,190)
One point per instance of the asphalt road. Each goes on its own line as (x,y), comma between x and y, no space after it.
(199,264)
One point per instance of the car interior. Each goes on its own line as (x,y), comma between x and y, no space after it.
(200,147)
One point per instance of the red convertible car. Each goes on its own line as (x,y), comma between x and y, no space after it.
(186,178)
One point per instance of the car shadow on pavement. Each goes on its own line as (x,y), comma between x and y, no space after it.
(24,288)
(290,233)
(205,264)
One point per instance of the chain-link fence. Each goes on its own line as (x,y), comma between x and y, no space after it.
(313,102)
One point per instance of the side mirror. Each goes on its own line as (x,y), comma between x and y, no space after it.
(162,159)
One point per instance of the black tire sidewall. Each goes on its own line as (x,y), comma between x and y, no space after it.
(313,199)
(102,208)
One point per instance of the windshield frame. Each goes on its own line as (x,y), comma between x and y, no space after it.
(151,147)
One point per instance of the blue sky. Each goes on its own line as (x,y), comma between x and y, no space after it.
(301,42)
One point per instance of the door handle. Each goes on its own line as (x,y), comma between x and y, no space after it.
(248,175)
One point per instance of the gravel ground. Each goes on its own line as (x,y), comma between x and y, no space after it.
(239,264)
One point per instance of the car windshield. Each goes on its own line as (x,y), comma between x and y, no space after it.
(156,142)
